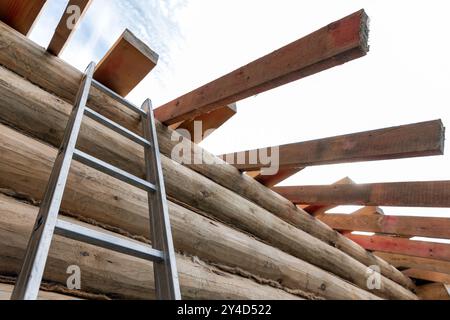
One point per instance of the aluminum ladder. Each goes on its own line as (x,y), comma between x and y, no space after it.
(162,254)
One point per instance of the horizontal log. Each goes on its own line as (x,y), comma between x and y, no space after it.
(428,275)
(6,291)
(67,25)
(414,140)
(61,79)
(434,291)
(333,45)
(397,225)
(439,251)
(113,274)
(21,14)
(400,194)
(404,261)
(118,205)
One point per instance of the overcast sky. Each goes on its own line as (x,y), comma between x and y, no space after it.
(404,79)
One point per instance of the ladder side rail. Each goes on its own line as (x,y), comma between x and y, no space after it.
(30,277)
(166,274)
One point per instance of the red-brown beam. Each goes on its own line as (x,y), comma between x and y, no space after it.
(333,45)
(21,14)
(67,25)
(401,194)
(431,250)
(413,140)
(397,225)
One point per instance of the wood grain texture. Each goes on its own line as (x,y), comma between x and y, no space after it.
(6,291)
(397,225)
(272,180)
(434,291)
(407,262)
(401,194)
(116,204)
(333,45)
(61,79)
(438,251)
(63,33)
(21,14)
(206,122)
(414,140)
(112,274)
(126,64)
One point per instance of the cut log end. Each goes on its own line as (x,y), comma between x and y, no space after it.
(364,32)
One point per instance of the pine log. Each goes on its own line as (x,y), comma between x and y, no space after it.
(32,164)
(114,274)
(54,75)
(118,205)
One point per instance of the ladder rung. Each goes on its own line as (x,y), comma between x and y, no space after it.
(118,98)
(107,241)
(115,127)
(113,171)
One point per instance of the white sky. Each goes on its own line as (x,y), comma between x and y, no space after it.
(404,79)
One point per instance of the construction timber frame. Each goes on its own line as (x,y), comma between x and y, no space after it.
(231,224)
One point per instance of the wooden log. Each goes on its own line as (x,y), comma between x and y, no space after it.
(21,14)
(201,127)
(403,261)
(67,25)
(125,64)
(439,251)
(118,205)
(6,291)
(401,194)
(434,291)
(428,275)
(397,225)
(116,275)
(333,45)
(61,79)
(407,141)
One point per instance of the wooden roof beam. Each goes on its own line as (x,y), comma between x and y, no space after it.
(427,275)
(413,140)
(434,291)
(397,225)
(126,64)
(73,14)
(400,194)
(21,15)
(333,45)
(406,262)
(201,127)
(431,250)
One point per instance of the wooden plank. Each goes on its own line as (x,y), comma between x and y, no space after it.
(428,275)
(125,64)
(21,14)
(434,291)
(396,225)
(67,25)
(333,45)
(28,60)
(431,250)
(6,291)
(407,262)
(401,194)
(414,140)
(201,127)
